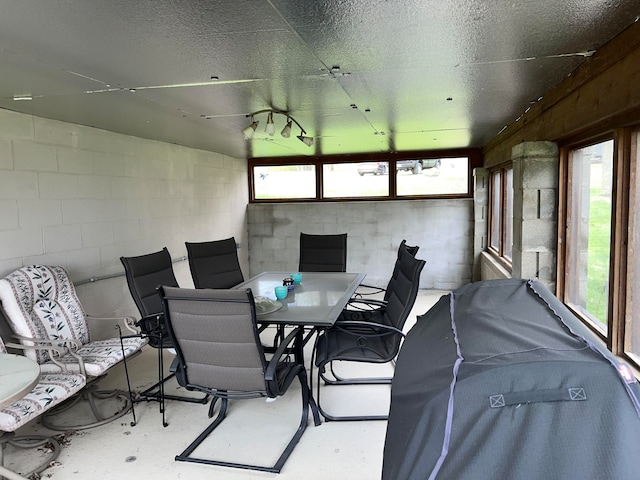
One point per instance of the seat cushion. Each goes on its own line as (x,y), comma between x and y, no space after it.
(50,391)
(98,356)
(41,302)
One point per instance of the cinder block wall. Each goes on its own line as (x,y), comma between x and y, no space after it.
(81,197)
(535,211)
(442,228)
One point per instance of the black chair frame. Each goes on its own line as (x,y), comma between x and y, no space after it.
(273,389)
(371,333)
(152,326)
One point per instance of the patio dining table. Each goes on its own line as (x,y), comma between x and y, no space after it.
(316,302)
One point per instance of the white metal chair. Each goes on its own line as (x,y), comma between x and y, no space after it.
(42,308)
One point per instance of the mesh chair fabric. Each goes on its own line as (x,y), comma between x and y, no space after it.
(214,264)
(215,334)
(323,253)
(144,274)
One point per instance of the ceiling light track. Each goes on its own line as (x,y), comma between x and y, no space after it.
(270,128)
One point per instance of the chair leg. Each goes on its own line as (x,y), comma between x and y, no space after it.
(150,395)
(339,380)
(307,401)
(342,418)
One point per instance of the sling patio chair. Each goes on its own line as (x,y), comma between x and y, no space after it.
(323,253)
(372,336)
(42,309)
(220,353)
(373,290)
(145,273)
(214,264)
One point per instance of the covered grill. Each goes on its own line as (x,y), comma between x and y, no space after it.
(500,380)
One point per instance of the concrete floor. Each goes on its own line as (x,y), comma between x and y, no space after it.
(254,431)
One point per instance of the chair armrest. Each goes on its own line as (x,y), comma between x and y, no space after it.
(54,351)
(365,304)
(102,328)
(376,328)
(270,373)
(371,290)
(277,381)
(151,324)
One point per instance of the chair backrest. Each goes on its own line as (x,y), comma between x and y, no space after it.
(412,251)
(402,292)
(216,339)
(323,253)
(145,274)
(214,264)
(40,302)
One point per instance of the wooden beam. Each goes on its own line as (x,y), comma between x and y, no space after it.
(603,92)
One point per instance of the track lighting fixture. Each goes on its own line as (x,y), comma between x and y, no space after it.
(270,126)
(308,141)
(286,131)
(248,131)
(270,129)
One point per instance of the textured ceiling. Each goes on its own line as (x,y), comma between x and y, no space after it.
(360,76)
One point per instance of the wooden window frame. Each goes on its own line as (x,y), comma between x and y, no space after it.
(473,154)
(499,253)
(620,218)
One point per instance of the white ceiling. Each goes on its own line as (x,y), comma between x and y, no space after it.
(360,76)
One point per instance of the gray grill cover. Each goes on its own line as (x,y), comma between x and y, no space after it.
(499,380)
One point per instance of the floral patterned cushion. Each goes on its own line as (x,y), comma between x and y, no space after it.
(50,391)
(98,356)
(41,302)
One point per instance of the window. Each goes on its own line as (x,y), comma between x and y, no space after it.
(368,176)
(284,181)
(632,324)
(367,179)
(501,214)
(432,176)
(599,263)
(589,210)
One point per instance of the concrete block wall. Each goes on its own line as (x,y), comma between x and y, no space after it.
(81,197)
(535,222)
(444,229)
(481,218)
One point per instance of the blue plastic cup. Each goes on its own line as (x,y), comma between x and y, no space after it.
(281,292)
(297,278)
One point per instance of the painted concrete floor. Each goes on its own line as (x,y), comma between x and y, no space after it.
(254,431)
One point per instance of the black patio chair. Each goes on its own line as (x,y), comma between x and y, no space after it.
(373,290)
(323,253)
(219,353)
(214,264)
(372,336)
(144,274)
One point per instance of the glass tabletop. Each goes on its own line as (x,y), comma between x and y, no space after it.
(18,375)
(316,301)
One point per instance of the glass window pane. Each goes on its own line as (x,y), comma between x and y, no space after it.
(369,179)
(496,191)
(632,330)
(433,176)
(507,246)
(284,181)
(589,245)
